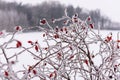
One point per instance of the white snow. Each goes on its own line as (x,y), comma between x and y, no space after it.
(26,59)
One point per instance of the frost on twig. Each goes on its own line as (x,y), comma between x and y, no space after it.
(69,53)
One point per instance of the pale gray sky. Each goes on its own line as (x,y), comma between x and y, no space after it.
(107,7)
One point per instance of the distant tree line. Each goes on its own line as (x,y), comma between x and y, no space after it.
(13,14)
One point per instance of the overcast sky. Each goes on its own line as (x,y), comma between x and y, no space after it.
(111,8)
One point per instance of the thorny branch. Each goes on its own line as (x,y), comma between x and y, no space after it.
(69,53)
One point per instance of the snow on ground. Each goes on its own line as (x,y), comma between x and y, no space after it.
(26,59)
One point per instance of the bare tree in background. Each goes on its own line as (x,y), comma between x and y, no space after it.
(9,19)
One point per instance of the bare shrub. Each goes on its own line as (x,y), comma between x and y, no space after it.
(73,52)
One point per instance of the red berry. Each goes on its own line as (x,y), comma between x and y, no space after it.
(43,35)
(71,57)
(34,72)
(59,55)
(30,68)
(51,75)
(118,46)
(70,48)
(18,28)
(19,44)
(56,36)
(65,22)
(76,21)
(36,42)
(6,73)
(12,62)
(61,29)
(42,22)
(91,26)
(30,42)
(36,48)
(118,40)
(46,48)
(65,29)
(56,29)
(53,20)
(76,15)
(89,19)
(109,38)
(86,62)
(45,64)
(1,33)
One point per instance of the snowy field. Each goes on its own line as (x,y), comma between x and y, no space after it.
(25,59)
